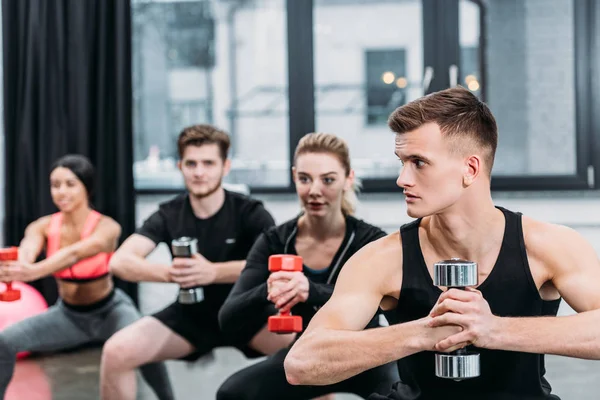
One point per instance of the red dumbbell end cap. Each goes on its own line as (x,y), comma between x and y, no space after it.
(285,262)
(10,295)
(9,254)
(285,323)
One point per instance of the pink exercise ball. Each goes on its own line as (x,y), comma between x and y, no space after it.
(31,303)
(29,382)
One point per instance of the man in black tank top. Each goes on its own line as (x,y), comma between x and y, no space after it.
(446,142)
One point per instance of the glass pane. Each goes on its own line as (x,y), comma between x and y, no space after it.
(470,49)
(216,62)
(368,61)
(529,59)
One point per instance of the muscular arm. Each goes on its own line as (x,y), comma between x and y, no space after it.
(33,241)
(103,239)
(320,293)
(129,261)
(335,345)
(573,268)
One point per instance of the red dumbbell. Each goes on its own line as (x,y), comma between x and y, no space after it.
(10,294)
(285,322)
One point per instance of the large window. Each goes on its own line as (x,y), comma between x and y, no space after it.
(215,62)
(529,51)
(368,60)
(386,83)
(471,74)
(256,69)
(530,63)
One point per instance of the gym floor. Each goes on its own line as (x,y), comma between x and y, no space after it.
(74,375)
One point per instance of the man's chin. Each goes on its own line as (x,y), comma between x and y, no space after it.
(415,212)
(200,194)
(204,192)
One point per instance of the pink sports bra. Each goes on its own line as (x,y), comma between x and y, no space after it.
(89,269)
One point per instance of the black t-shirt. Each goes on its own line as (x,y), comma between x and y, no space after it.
(228,235)
(247,308)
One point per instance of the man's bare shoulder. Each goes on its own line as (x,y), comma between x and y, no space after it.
(549,242)
(565,261)
(382,249)
(539,235)
(379,262)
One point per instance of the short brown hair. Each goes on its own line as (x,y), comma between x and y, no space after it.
(458,113)
(198,135)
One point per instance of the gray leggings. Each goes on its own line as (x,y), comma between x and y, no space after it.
(61,328)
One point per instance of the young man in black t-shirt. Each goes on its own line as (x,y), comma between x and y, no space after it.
(224,226)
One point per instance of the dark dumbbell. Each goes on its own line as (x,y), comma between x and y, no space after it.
(186,247)
(462,363)
(10,294)
(285,322)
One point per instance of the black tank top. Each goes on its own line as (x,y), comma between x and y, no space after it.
(510,291)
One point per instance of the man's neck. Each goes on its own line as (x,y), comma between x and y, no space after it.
(323,228)
(205,207)
(466,231)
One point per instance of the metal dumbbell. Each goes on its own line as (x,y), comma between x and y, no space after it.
(10,294)
(186,247)
(462,363)
(285,322)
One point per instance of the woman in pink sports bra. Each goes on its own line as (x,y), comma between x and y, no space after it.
(78,242)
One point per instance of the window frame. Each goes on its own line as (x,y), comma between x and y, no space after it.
(441,50)
(584,178)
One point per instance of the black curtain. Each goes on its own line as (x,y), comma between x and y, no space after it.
(67,89)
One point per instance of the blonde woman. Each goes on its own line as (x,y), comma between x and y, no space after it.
(326,235)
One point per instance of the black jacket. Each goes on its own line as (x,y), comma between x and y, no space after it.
(247,309)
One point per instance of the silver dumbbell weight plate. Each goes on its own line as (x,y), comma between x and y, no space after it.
(455,273)
(457,367)
(191,295)
(186,247)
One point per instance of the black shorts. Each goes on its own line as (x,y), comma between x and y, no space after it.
(198,324)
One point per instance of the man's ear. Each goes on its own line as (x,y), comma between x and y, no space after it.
(472,169)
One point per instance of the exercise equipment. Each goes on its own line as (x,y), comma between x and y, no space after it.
(285,322)
(29,381)
(462,363)
(186,247)
(30,304)
(10,294)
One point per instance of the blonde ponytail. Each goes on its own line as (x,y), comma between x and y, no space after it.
(350,199)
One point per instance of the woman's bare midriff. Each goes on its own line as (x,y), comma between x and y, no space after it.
(84,293)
